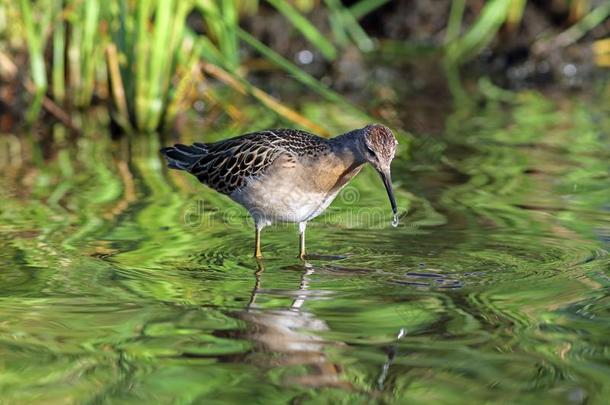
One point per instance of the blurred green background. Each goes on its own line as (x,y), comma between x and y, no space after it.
(146,62)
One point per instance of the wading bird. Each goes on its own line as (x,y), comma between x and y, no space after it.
(286,175)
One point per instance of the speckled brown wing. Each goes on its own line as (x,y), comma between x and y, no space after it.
(227,165)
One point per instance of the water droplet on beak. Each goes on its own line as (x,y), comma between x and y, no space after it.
(395,221)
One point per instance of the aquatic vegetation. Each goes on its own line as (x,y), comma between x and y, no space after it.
(483,30)
(148,60)
(35,31)
(143,58)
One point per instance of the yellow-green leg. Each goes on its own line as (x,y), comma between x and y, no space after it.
(257,243)
(302,226)
(257,284)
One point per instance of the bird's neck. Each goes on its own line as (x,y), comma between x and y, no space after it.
(347,148)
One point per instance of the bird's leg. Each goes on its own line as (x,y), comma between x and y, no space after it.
(257,243)
(302,226)
(257,284)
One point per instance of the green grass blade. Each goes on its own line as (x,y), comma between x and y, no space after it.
(124,39)
(492,17)
(338,30)
(301,76)
(350,25)
(177,99)
(74,53)
(364,7)
(120,111)
(309,31)
(229,32)
(160,57)
(141,59)
(181,57)
(208,51)
(35,42)
(89,50)
(222,27)
(35,39)
(454,24)
(59,49)
(588,22)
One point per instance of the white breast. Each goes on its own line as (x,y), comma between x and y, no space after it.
(288,192)
(281,202)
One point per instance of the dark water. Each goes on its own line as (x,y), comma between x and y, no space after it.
(123,282)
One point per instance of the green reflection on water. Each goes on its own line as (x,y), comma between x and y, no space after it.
(125,282)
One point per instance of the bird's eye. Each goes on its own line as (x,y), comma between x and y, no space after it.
(370,151)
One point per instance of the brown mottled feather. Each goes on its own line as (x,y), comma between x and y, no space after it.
(227,165)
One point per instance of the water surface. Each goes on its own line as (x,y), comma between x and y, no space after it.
(123,282)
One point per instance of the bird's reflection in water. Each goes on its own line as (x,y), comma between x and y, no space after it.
(290,335)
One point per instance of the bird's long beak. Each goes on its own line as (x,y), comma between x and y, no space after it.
(387,182)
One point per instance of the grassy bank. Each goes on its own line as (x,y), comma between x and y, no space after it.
(144,59)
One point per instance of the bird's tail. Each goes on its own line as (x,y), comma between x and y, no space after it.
(184,157)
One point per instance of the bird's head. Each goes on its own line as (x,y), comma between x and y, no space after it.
(378,148)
